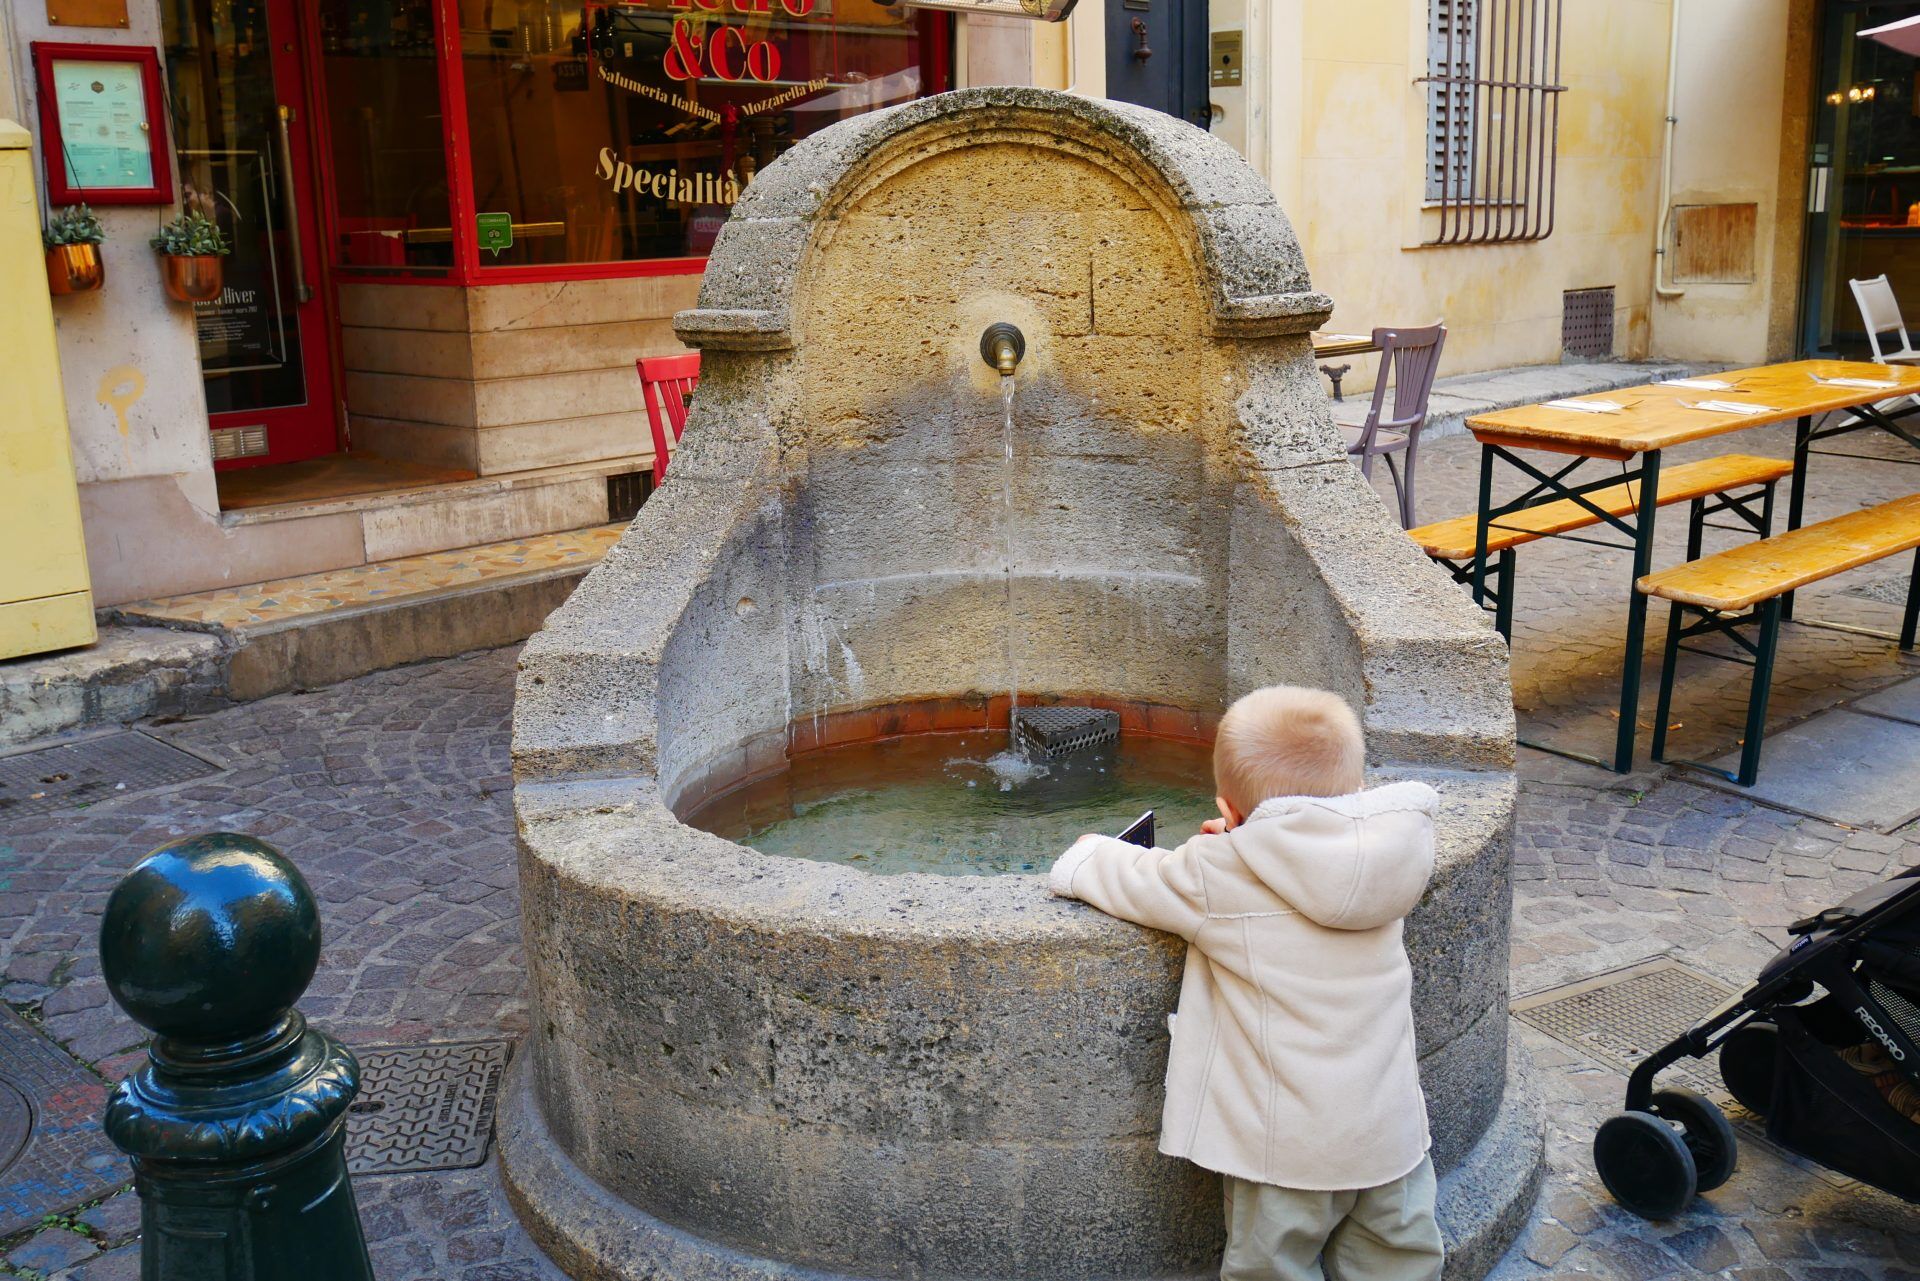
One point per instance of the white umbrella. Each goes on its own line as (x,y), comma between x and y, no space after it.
(1903,35)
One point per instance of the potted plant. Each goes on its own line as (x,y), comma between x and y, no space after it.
(73,239)
(190,248)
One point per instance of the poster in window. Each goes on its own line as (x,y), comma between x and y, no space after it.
(242,329)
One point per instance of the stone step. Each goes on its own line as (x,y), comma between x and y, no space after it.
(187,654)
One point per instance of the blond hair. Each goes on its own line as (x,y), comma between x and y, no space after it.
(1286,740)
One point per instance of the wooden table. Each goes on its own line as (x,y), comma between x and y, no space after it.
(1334,346)
(1654,419)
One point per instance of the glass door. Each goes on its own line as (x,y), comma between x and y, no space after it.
(242,133)
(1863,189)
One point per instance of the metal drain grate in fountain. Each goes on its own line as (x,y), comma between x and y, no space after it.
(1058,731)
(424,1107)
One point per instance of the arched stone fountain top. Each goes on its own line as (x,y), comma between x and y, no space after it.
(1246,255)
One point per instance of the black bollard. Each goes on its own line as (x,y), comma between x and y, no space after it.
(235,1123)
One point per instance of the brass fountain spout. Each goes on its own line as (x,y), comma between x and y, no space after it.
(1002,346)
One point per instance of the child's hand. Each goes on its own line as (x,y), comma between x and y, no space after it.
(1213,827)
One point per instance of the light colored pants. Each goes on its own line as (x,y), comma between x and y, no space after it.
(1386,1233)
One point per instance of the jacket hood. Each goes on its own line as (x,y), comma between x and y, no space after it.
(1353,862)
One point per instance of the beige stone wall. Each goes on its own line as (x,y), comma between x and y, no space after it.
(505,378)
(899,549)
(1733,119)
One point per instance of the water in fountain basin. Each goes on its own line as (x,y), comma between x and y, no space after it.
(930,803)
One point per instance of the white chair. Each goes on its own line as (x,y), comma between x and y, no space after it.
(1880,312)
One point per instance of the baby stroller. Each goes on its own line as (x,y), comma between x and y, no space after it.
(1849,982)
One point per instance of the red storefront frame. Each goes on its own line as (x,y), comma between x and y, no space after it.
(936,31)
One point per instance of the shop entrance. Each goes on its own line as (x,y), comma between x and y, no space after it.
(1863,193)
(244,146)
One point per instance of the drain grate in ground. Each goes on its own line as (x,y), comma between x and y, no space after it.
(424,1107)
(53,1153)
(1888,591)
(1620,1017)
(92,770)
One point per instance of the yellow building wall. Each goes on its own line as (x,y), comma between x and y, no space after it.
(1361,197)
(45,601)
(1334,117)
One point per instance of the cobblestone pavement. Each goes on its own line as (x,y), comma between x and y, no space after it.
(391,793)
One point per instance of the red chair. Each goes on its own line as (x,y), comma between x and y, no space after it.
(667,382)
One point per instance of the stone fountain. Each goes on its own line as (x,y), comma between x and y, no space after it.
(748,1066)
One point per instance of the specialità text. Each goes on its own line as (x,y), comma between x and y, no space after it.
(671,184)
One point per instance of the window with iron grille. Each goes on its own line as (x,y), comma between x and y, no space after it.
(1493,118)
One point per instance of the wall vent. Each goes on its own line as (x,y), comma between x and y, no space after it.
(239,442)
(626,493)
(1586,323)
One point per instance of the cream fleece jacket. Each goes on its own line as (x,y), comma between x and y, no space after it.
(1293,1060)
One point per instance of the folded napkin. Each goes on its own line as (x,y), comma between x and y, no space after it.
(1586,406)
(1698,384)
(1346,337)
(1877,384)
(1729,407)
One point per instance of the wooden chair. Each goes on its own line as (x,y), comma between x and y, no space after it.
(1413,357)
(666,383)
(1746,585)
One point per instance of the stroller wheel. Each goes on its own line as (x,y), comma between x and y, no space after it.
(1645,1164)
(1708,1134)
(1747,1060)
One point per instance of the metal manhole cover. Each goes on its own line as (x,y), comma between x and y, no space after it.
(1620,1017)
(92,770)
(424,1107)
(53,1153)
(16,1122)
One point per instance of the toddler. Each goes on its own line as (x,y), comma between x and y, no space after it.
(1292,1071)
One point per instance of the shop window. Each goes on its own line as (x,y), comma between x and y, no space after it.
(386,137)
(613,132)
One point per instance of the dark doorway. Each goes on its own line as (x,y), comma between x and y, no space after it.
(1863,192)
(1157,56)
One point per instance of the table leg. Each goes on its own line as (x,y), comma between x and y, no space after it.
(1334,374)
(1802,443)
(1480,532)
(1635,657)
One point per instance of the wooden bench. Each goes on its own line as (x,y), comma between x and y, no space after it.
(1720,593)
(1451,542)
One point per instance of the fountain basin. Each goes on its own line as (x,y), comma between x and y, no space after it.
(746,1065)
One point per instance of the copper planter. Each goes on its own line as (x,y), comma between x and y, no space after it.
(191,279)
(74,269)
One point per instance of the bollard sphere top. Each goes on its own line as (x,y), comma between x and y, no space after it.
(210,939)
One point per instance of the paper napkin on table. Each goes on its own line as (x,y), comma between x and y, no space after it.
(1876,384)
(1698,384)
(1729,407)
(1586,406)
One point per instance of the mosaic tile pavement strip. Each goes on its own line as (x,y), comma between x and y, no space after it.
(424,1107)
(66,1158)
(281,599)
(100,768)
(1620,1017)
